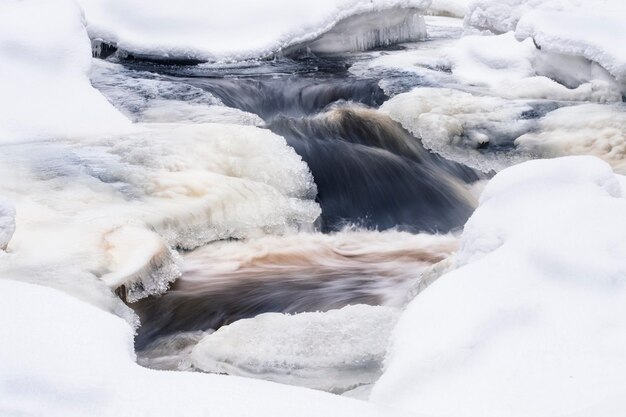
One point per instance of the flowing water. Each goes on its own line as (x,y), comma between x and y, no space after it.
(389,207)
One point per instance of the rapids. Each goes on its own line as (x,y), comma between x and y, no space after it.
(396,172)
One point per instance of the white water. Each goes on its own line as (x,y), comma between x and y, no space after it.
(202,216)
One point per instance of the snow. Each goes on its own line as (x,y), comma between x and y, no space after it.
(63,357)
(535,312)
(597,34)
(45,57)
(240,29)
(593,30)
(147,97)
(501,16)
(334,351)
(586,129)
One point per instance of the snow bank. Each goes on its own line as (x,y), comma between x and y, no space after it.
(587,129)
(513,69)
(334,351)
(593,30)
(241,29)
(454,8)
(147,97)
(536,311)
(45,57)
(597,33)
(62,357)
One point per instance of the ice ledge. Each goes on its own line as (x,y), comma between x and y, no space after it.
(260,31)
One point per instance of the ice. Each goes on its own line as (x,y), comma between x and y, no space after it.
(241,29)
(334,351)
(592,30)
(597,34)
(44,61)
(191,184)
(147,97)
(140,261)
(587,129)
(63,357)
(456,124)
(535,312)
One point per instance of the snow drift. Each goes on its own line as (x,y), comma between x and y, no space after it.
(241,29)
(62,357)
(44,61)
(535,312)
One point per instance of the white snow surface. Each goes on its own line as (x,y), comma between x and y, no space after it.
(532,321)
(512,69)
(238,29)
(590,29)
(45,56)
(597,33)
(62,357)
(334,351)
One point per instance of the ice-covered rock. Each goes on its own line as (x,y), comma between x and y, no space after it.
(140,262)
(191,184)
(45,57)
(536,310)
(7,222)
(456,124)
(242,29)
(334,351)
(586,129)
(61,357)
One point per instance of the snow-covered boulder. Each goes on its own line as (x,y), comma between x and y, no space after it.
(242,29)
(532,321)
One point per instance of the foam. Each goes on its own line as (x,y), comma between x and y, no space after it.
(586,129)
